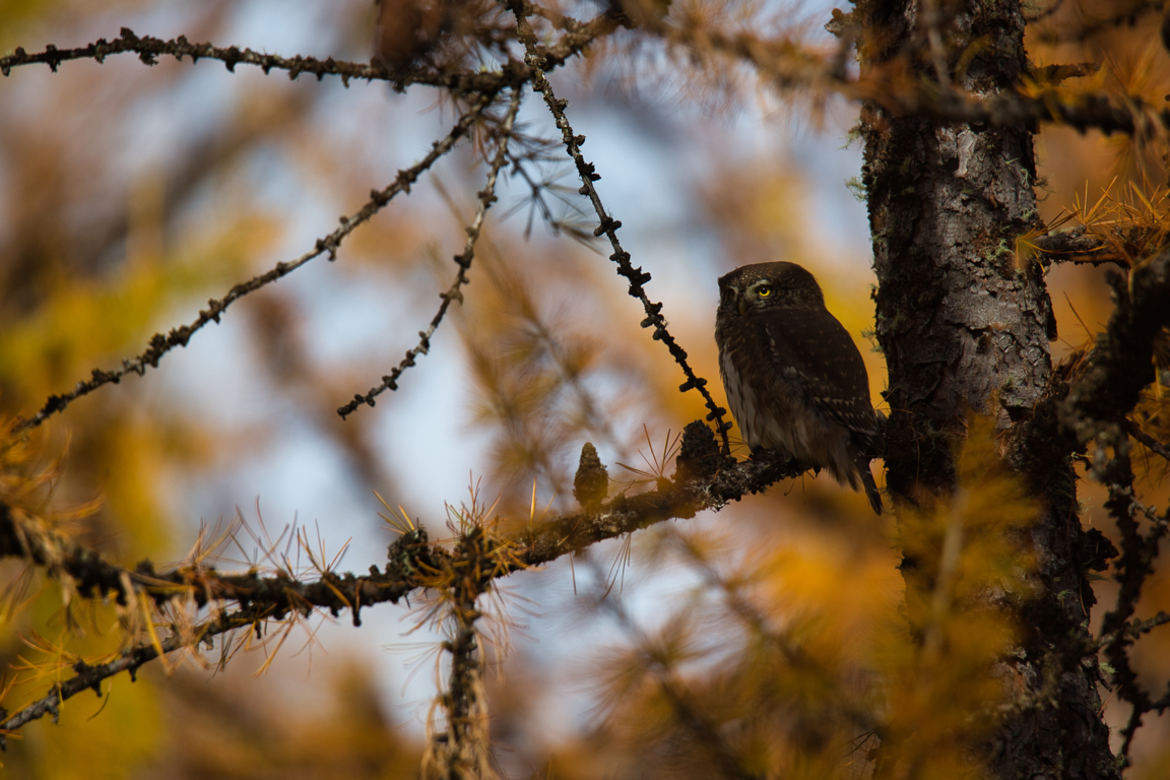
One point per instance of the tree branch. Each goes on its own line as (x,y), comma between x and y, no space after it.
(577,37)
(787,64)
(149,49)
(607,225)
(1121,363)
(487,197)
(1075,246)
(704,480)
(161,344)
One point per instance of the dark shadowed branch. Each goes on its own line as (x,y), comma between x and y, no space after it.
(1106,385)
(1094,393)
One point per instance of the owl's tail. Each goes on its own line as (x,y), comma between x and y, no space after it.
(871,489)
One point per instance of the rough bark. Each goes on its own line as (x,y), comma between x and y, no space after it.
(965,328)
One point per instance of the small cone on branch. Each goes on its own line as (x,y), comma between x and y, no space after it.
(591,484)
(699,455)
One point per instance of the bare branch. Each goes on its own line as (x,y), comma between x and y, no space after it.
(1136,628)
(149,49)
(578,36)
(608,225)
(487,197)
(178,337)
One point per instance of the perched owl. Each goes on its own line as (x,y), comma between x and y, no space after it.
(794,379)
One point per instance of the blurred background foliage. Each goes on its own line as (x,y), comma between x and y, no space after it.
(129,195)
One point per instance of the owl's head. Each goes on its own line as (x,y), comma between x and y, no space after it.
(767,285)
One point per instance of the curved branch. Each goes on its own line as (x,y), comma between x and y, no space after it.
(1095,391)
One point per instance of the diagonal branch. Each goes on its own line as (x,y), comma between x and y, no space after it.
(1149,442)
(607,225)
(90,677)
(178,337)
(487,196)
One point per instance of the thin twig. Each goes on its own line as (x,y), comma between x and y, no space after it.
(1133,630)
(577,37)
(609,226)
(454,292)
(1152,444)
(149,49)
(178,337)
(90,677)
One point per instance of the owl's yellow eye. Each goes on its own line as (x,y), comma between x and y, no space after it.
(764,290)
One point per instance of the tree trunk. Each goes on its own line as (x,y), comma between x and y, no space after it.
(965,328)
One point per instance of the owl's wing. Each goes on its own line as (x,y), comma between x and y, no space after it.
(815,353)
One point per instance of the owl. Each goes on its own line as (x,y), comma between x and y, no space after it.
(795,381)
